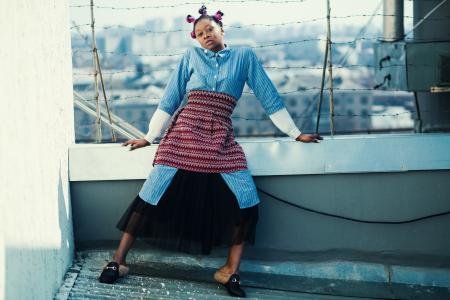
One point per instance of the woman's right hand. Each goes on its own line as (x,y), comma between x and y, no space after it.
(135,144)
(309,138)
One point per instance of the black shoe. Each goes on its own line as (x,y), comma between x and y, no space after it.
(110,273)
(233,286)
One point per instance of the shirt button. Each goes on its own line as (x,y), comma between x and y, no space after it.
(217,65)
(214,89)
(215,76)
(206,51)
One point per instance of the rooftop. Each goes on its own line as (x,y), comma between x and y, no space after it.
(334,275)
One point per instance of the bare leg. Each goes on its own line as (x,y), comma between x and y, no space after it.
(232,264)
(126,242)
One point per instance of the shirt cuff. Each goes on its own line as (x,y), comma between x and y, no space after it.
(157,125)
(283,120)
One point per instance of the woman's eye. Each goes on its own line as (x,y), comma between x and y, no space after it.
(200,34)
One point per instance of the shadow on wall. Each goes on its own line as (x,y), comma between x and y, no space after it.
(36,271)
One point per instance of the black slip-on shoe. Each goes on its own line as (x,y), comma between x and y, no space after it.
(233,286)
(110,273)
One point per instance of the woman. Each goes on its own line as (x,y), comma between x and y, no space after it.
(200,193)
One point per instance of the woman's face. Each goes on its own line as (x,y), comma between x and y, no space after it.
(209,34)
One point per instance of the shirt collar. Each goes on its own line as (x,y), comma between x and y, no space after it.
(222,53)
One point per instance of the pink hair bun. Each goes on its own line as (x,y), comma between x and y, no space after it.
(202,10)
(190,19)
(193,35)
(218,15)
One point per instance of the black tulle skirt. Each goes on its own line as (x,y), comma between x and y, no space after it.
(196,213)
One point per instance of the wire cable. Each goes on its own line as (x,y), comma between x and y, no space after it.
(350,218)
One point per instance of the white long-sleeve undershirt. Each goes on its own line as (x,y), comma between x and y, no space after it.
(157,125)
(281,118)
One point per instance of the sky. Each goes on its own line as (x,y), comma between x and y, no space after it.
(244,12)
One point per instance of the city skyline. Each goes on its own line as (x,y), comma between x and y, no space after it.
(136,13)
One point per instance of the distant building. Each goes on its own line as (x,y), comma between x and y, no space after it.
(294,68)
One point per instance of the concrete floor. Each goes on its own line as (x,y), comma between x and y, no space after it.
(86,286)
(157,274)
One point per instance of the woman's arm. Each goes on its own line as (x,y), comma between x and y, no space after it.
(171,100)
(157,125)
(267,94)
(282,119)
(261,85)
(176,87)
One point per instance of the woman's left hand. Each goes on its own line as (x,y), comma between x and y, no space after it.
(136,143)
(309,138)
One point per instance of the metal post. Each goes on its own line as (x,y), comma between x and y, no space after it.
(330,70)
(418,117)
(319,105)
(113,134)
(98,122)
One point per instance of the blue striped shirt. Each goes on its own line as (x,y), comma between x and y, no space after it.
(224,71)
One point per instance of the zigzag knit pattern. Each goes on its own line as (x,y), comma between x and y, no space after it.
(201,137)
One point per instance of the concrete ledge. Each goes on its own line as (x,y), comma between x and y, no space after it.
(281,156)
(331,277)
(422,276)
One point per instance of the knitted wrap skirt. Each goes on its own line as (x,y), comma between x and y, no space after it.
(197,211)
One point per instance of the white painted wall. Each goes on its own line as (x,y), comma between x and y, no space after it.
(36,115)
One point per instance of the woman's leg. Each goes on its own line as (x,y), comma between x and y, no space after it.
(234,259)
(126,242)
(110,273)
(232,264)
(234,253)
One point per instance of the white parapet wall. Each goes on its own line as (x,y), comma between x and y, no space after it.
(282,156)
(36,236)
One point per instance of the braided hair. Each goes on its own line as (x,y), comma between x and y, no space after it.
(217,18)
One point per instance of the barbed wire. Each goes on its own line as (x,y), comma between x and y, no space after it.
(269,67)
(107,27)
(266,67)
(186,4)
(138,97)
(294,116)
(240,1)
(129,54)
(375,38)
(318,88)
(253,47)
(79,25)
(252,93)
(124,71)
(127,97)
